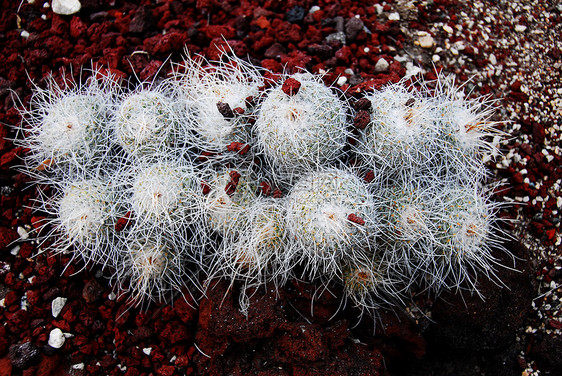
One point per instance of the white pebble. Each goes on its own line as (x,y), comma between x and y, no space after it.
(66,7)
(394,16)
(23,233)
(342,80)
(381,65)
(426,41)
(15,251)
(79,366)
(56,338)
(313,9)
(24,34)
(57,305)
(147,350)
(493,59)
(520,28)
(448,29)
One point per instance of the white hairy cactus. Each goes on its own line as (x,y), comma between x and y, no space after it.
(465,230)
(254,253)
(330,217)
(301,126)
(153,267)
(468,137)
(221,96)
(66,128)
(229,193)
(166,193)
(84,215)
(148,122)
(401,133)
(129,192)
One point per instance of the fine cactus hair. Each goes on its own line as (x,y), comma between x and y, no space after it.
(398,133)
(65,127)
(148,121)
(301,126)
(330,217)
(153,268)
(221,95)
(221,172)
(229,193)
(83,215)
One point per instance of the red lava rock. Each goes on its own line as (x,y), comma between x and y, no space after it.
(123,222)
(369,176)
(265,188)
(362,119)
(277,193)
(291,86)
(234,177)
(5,367)
(151,70)
(175,332)
(92,291)
(355,219)
(206,188)
(165,371)
(225,110)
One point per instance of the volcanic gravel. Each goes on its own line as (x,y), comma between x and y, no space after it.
(508,50)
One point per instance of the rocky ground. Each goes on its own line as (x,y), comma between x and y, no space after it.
(509,50)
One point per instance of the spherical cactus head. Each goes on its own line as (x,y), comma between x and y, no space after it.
(400,133)
(304,129)
(146,122)
(330,216)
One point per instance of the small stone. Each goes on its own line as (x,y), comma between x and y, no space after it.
(66,7)
(78,366)
(147,350)
(493,59)
(23,233)
(381,65)
(57,305)
(56,338)
(395,16)
(362,119)
(341,81)
(313,9)
(352,28)
(520,28)
(426,41)
(25,355)
(91,291)
(24,34)
(291,86)
(355,219)
(225,110)
(448,29)
(362,104)
(295,14)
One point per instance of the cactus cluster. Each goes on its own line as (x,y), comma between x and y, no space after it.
(220,172)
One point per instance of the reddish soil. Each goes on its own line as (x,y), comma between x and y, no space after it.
(282,334)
